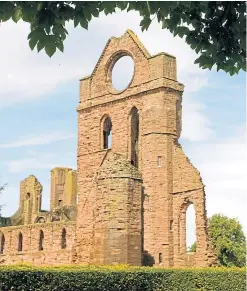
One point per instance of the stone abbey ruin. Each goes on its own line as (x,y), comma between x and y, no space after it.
(126,203)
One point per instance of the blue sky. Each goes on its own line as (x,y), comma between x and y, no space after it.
(39,96)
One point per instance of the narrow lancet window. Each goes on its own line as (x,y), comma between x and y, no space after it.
(160,258)
(107,133)
(63,243)
(134,136)
(41,240)
(2,244)
(20,242)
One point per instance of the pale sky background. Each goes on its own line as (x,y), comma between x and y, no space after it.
(38,118)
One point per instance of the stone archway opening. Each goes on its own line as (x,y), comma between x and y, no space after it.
(190,229)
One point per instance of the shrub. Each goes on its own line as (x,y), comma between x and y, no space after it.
(120,278)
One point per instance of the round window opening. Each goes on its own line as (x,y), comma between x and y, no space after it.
(122,73)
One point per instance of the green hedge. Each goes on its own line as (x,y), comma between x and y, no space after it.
(113,279)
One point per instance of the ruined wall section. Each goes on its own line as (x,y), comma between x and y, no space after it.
(30,201)
(188,189)
(185,176)
(52,252)
(63,187)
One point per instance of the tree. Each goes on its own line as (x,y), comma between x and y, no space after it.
(192,248)
(1,190)
(228,239)
(214,29)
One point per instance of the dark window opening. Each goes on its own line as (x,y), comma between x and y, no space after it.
(171,224)
(28,196)
(134,136)
(63,244)
(20,242)
(60,202)
(107,133)
(160,258)
(41,240)
(2,244)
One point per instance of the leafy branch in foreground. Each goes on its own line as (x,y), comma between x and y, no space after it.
(216,30)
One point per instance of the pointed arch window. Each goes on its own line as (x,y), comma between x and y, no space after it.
(64,239)
(2,244)
(107,133)
(20,242)
(41,240)
(134,136)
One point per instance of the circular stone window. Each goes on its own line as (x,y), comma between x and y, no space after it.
(122,73)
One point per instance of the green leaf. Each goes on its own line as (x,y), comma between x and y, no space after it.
(84,23)
(50,49)
(28,12)
(109,7)
(41,44)
(164,9)
(87,13)
(37,33)
(76,21)
(17,14)
(182,30)
(7,9)
(32,42)
(95,12)
(60,46)
(122,5)
(145,23)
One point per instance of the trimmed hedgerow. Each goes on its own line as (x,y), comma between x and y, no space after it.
(80,278)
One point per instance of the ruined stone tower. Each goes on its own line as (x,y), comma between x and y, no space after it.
(132,197)
(133,182)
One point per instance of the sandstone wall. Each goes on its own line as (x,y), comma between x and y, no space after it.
(63,187)
(52,252)
(168,176)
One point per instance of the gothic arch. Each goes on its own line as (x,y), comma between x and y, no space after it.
(105,132)
(134,134)
(182,224)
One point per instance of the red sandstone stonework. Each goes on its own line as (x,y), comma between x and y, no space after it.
(132,197)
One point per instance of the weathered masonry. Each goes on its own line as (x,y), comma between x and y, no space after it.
(134,182)
(37,236)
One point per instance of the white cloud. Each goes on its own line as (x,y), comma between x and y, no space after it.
(12,194)
(37,160)
(222,164)
(26,74)
(195,126)
(42,139)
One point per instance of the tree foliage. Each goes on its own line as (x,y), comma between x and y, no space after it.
(192,248)
(228,239)
(216,30)
(1,190)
